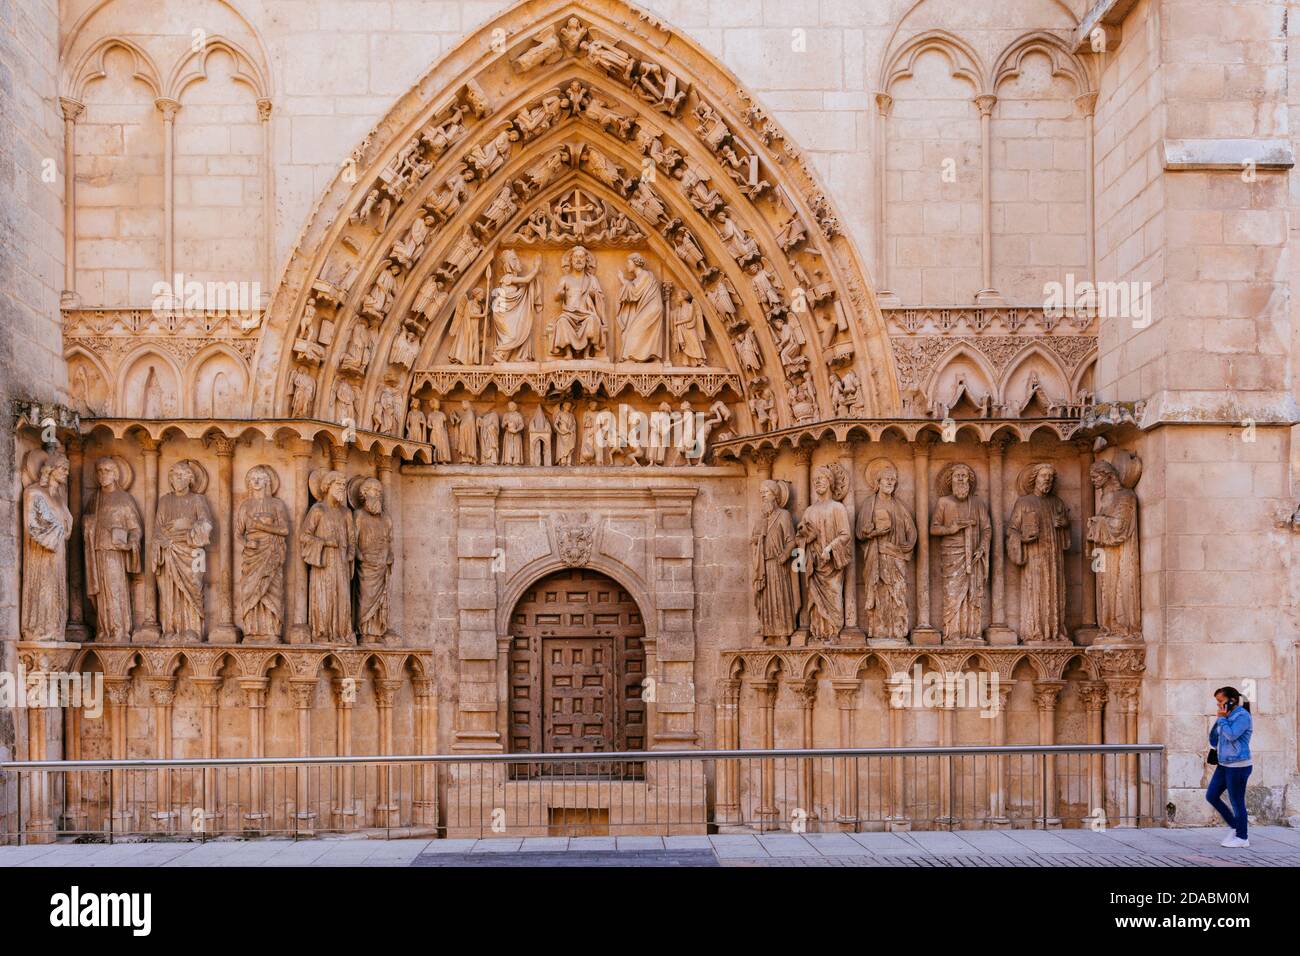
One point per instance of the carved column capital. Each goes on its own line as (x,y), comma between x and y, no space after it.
(168,107)
(148,444)
(345,692)
(1000,442)
(884,103)
(803,454)
(119,690)
(208,688)
(263,109)
(423,687)
(1087,102)
(764,690)
(222,446)
(162,690)
(729,690)
(1047,693)
(1125,692)
(985,103)
(303,692)
(254,689)
(385,691)
(846,692)
(70,108)
(804,691)
(383,465)
(1094,695)
(764,458)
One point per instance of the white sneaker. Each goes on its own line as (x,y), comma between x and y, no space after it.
(1235,841)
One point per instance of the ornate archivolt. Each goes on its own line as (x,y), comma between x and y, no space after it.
(581,123)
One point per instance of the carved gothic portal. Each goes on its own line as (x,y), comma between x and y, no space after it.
(577,669)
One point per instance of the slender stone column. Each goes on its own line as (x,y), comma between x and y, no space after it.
(884,106)
(255,689)
(209,689)
(1088,630)
(168,107)
(119,700)
(802,497)
(984,103)
(268,199)
(846,698)
(1046,695)
(302,455)
(650,647)
(148,630)
(303,691)
(75,814)
(923,633)
(998,738)
(71,110)
(1093,694)
(387,467)
(805,692)
(897,689)
(1124,691)
(40,817)
(947,735)
(1087,102)
(339,458)
(851,633)
(345,696)
(803,457)
(223,630)
(765,698)
(162,693)
(76,631)
(998,631)
(728,778)
(387,812)
(426,728)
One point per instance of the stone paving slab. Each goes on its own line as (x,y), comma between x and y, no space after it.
(1186,847)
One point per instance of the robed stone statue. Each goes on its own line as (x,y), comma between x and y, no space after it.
(47,525)
(182,531)
(962,521)
(328,540)
(1113,531)
(374,561)
(826,534)
(1038,535)
(262,522)
(887,531)
(112,533)
(774,577)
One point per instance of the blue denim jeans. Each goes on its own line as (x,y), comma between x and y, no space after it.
(1232,779)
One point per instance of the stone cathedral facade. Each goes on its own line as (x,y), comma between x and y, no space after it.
(393,377)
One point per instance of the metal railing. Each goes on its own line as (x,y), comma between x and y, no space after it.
(679,792)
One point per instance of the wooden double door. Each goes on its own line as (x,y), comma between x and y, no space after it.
(577,667)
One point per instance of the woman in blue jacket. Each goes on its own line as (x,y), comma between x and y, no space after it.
(1231,736)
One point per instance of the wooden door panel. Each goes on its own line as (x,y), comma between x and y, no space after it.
(576,667)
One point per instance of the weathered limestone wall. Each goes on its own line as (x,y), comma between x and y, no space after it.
(31,267)
(333,70)
(1213,367)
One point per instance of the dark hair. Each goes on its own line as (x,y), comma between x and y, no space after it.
(1233,695)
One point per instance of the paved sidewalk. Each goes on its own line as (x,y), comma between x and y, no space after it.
(1270,846)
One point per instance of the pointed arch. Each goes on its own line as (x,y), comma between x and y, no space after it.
(92,66)
(194,67)
(963,62)
(475,92)
(1063,60)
